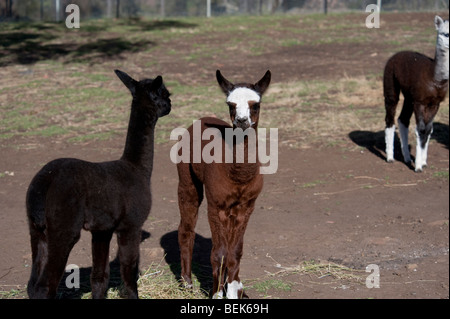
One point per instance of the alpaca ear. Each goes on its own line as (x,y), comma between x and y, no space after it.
(224,84)
(157,83)
(262,85)
(438,22)
(129,82)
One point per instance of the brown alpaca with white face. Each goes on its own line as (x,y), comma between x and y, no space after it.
(231,190)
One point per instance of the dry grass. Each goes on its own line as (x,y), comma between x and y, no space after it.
(321,270)
(308,273)
(323,113)
(158,282)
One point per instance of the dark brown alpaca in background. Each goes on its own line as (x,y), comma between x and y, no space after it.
(424,84)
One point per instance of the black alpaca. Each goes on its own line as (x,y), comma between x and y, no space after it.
(69,194)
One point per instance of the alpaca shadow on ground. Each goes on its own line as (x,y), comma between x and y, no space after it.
(374,141)
(201,263)
(441,134)
(115,280)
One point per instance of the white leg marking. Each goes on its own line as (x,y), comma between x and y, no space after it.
(218,295)
(404,141)
(389,133)
(425,151)
(419,154)
(233,288)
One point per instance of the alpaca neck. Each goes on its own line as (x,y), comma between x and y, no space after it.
(441,64)
(243,172)
(140,140)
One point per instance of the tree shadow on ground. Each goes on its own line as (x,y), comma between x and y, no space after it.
(24,48)
(28,43)
(201,263)
(156,25)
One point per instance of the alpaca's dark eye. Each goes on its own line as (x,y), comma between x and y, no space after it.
(254,106)
(232,107)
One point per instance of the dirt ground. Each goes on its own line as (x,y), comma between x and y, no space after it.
(342,205)
(363,211)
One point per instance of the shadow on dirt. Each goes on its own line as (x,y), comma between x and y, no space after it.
(374,141)
(115,280)
(156,25)
(28,43)
(441,134)
(201,264)
(32,50)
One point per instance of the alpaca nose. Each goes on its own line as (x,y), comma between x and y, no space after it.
(241,120)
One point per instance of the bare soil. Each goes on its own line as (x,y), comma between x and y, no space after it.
(342,205)
(346,207)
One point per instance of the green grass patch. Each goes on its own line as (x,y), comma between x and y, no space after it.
(272,284)
(441,175)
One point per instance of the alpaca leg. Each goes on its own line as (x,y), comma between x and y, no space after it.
(100,263)
(391,93)
(425,150)
(236,231)
(128,241)
(422,141)
(419,153)
(235,289)
(404,131)
(389,134)
(403,124)
(424,129)
(190,196)
(218,263)
(218,251)
(39,258)
(60,243)
(52,247)
(186,239)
